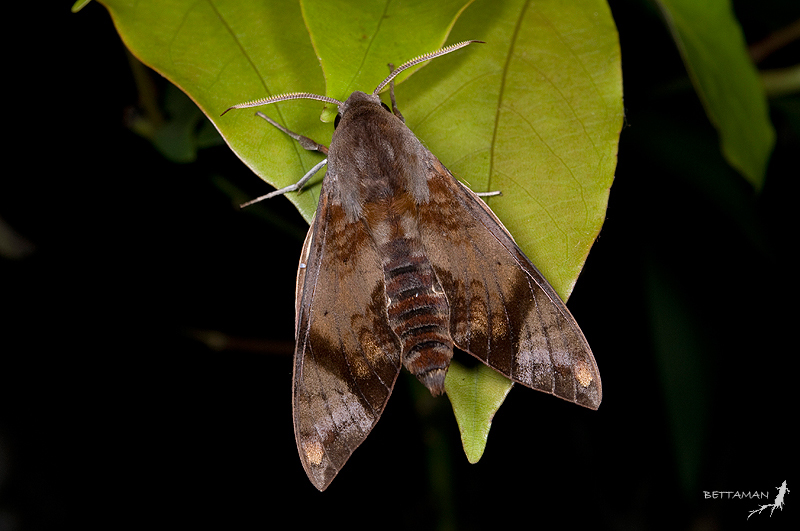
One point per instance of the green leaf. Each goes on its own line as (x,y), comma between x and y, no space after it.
(535,112)
(715,54)
(476,395)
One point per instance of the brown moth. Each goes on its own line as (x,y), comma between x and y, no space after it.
(402,263)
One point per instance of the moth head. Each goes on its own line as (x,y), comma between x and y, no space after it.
(360,97)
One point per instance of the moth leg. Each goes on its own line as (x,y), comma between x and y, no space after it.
(483,194)
(304,141)
(395,110)
(292,187)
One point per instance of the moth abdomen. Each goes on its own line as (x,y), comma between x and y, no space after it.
(421,323)
(416,305)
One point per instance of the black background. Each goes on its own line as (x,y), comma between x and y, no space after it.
(114,414)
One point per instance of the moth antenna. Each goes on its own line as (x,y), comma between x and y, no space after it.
(284,97)
(422,59)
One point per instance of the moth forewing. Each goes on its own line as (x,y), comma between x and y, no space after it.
(346,356)
(502,309)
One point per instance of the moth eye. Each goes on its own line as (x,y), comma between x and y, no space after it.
(386,107)
(336,121)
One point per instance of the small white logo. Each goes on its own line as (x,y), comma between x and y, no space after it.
(777,504)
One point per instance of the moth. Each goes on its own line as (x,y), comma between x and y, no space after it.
(401,264)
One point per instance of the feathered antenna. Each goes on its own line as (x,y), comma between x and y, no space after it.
(283,97)
(422,59)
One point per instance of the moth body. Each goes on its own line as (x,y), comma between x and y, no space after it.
(381,179)
(402,263)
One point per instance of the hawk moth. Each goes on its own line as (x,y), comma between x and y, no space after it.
(402,263)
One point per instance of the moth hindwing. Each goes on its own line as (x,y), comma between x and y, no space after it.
(401,264)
